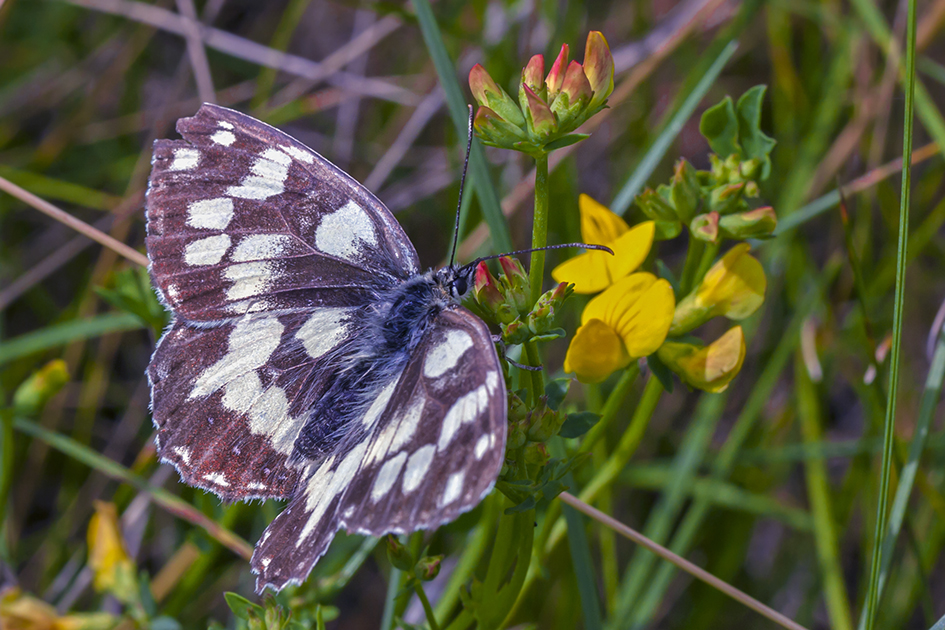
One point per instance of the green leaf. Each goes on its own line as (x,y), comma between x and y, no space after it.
(753,140)
(554,333)
(242,607)
(719,125)
(564,141)
(556,390)
(661,372)
(577,424)
(133,294)
(67,332)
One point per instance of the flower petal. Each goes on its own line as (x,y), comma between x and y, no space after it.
(599,226)
(710,368)
(588,272)
(631,249)
(735,285)
(639,308)
(595,352)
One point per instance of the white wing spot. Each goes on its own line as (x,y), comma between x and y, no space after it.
(339,233)
(267,178)
(255,485)
(417,467)
(212,214)
(446,354)
(225,138)
(251,343)
(482,445)
(260,247)
(184,453)
(337,483)
(324,330)
(184,159)
(299,154)
(207,251)
(466,409)
(217,478)
(454,488)
(224,124)
(492,381)
(380,404)
(173,292)
(249,279)
(240,393)
(397,432)
(387,476)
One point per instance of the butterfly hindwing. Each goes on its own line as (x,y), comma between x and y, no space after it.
(432,446)
(243,218)
(229,401)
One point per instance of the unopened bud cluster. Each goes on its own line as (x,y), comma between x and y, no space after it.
(424,569)
(714,204)
(506,300)
(549,107)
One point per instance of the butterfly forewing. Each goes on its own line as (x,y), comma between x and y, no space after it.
(431,448)
(243,218)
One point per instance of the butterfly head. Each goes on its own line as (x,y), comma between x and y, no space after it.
(456,280)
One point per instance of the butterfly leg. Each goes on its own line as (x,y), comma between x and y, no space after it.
(497,339)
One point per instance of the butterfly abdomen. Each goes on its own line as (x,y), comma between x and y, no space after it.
(396,326)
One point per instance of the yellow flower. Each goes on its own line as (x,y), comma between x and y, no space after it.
(733,287)
(113,568)
(19,611)
(627,321)
(710,368)
(594,271)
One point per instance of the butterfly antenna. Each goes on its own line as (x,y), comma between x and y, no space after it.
(539,249)
(462,183)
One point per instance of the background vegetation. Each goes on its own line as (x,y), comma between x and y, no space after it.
(772,486)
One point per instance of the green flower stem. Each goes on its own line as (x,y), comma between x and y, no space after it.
(536,384)
(536,270)
(618,459)
(611,407)
(709,253)
(693,256)
(427,608)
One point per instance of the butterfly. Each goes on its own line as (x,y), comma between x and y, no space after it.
(309,357)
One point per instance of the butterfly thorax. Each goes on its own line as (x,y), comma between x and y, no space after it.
(397,321)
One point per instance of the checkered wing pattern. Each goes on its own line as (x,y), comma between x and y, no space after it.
(431,447)
(243,218)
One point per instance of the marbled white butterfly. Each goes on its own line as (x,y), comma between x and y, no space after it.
(310,358)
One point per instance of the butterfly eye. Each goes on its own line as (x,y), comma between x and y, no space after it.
(460,286)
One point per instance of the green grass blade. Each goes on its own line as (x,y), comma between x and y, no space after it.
(872,594)
(657,151)
(67,332)
(930,397)
(659,525)
(818,491)
(459,113)
(53,189)
(113,469)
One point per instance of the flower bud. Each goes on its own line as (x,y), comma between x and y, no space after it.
(545,424)
(489,94)
(542,317)
(555,78)
(515,333)
(685,191)
(515,285)
(710,368)
(705,227)
(541,121)
(488,294)
(599,69)
(112,567)
(533,75)
(428,567)
(516,436)
(536,454)
(727,199)
(572,100)
(495,131)
(33,394)
(756,223)
(398,554)
(655,206)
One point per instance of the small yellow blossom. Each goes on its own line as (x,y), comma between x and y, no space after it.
(594,271)
(710,368)
(113,568)
(733,287)
(627,321)
(19,611)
